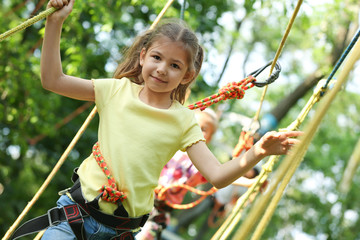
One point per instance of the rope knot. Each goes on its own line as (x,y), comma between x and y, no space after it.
(111,194)
(110,191)
(231,91)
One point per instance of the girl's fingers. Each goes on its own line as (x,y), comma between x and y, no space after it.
(293,141)
(59,3)
(293,133)
(71,3)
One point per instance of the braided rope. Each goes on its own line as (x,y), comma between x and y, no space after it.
(220,234)
(110,192)
(27,23)
(266,169)
(161,190)
(342,58)
(289,164)
(246,141)
(233,90)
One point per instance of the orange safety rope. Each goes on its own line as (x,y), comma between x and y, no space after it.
(110,192)
(161,190)
(246,141)
(233,90)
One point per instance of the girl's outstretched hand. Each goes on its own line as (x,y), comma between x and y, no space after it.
(276,143)
(64,9)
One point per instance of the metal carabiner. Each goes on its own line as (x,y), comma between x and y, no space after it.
(274,75)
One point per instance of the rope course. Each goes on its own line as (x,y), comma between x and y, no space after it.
(230,223)
(233,90)
(293,160)
(267,168)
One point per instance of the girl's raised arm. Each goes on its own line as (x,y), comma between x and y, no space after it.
(52,76)
(221,175)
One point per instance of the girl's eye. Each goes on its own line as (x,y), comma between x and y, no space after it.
(175,66)
(156,57)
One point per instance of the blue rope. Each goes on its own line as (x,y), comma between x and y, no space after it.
(342,58)
(182,10)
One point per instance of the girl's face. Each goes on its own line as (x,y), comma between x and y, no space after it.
(164,66)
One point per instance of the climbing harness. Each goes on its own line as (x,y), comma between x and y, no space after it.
(75,213)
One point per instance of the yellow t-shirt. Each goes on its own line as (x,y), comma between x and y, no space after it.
(136,141)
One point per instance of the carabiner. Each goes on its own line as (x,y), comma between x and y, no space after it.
(274,75)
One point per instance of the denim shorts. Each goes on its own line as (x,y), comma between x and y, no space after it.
(94,230)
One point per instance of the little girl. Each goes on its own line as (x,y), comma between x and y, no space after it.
(142,125)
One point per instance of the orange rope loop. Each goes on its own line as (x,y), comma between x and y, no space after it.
(161,190)
(246,141)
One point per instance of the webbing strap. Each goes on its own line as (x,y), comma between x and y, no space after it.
(54,216)
(112,221)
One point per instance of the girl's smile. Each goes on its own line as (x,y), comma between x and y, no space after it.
(164,67)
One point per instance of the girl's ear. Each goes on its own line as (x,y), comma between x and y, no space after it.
(189,76)
(142,56)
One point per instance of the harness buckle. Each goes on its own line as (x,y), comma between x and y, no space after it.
(54,216)
(62,192)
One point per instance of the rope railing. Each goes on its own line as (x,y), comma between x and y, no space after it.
(27,23)
(290,163)
(268,166)
(277,54)
(223,231)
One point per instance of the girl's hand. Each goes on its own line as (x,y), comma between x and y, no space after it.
(64,9)
(276,143)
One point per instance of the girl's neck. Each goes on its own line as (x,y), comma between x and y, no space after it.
(156,100)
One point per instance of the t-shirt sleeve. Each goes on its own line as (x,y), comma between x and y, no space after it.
(192,134)
(105,90)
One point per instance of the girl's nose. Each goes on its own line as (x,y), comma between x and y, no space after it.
(161,69)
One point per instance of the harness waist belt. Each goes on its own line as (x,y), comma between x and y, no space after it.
(75,213)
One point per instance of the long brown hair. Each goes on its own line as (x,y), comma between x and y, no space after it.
(175,30)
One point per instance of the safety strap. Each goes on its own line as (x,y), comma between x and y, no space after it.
(75,213)
(116,222)
(71,213)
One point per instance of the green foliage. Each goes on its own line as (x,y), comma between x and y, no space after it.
(93,38)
